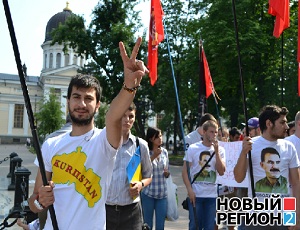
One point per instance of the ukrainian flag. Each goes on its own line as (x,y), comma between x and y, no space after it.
(134,171)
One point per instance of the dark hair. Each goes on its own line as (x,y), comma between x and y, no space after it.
(272,113)
(268,150)
(207,117)
(234,131)
(291,124)
(152,132)
(85,81)
(203,153)
(132,107)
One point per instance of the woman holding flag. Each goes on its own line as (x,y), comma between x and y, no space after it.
(154,197)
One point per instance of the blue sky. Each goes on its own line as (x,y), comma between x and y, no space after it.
(30,18)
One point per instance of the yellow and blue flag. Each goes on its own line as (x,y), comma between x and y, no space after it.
(134,171)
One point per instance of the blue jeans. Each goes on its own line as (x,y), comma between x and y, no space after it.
(205,214)
(150,204)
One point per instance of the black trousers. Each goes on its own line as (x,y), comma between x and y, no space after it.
(126,217)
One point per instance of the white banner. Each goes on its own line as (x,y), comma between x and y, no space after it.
(232,153)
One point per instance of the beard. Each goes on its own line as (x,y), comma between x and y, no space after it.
(81,121)
(276,135)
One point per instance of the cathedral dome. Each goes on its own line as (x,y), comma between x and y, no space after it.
(55,20)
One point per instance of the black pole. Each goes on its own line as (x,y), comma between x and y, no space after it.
(28,105)
(282,78)
(243,95)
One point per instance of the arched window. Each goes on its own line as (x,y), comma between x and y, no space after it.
(58,60)
(67,57)
(51,61)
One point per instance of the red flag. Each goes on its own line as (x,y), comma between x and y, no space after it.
(298,54)
(280,9)
(207,80)
(156,35)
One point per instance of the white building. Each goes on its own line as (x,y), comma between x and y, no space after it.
(57,70)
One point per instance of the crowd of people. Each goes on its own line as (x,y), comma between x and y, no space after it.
(91,184)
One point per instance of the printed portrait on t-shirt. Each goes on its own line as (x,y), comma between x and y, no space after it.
(208,174)
(273,182)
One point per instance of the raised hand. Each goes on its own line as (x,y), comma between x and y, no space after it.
(134,69)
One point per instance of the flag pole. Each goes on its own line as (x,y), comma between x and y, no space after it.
(282,78)
(243,95)
(202,99)
(180,117)
(28,105)
(175,87)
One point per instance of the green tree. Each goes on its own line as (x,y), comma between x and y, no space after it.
(112,21)
(100,118)
(186,22)
(49,118)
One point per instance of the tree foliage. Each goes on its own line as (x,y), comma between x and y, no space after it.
(186,22)
(49,118)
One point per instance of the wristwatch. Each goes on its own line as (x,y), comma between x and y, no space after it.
(38,205)
(142,184)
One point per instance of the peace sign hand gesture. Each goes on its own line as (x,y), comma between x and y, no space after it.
(134,69)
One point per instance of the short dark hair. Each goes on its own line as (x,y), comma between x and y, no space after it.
(234,131)
(268,150)
(85,81)
(272,113)
(132,107)
(152,132)
(207,117)
(204,153)
(291,124)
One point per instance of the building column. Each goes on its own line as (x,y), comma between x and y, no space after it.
(25,121)
(10,118)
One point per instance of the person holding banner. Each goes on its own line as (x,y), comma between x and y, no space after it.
(79,163)
(203,194)
(122,205)
(154,197)
(273,125)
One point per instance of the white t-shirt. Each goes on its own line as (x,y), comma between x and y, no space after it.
(81,169)
(287,159)
(296,142)
(192,138)
(204,186)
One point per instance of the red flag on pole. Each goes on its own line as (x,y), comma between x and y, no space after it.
(298,54)
(205,77)
(280,9)
(156,35)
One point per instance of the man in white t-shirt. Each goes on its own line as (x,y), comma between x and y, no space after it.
(79,163)
(295,138)
(196,135)
(273,125)
(203,194)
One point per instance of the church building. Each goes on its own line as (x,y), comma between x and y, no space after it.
(57,70)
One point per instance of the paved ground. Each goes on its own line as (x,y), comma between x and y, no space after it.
(7,197)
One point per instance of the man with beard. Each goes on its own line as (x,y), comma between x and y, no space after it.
(273,182)
(273,126)
(79,163)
